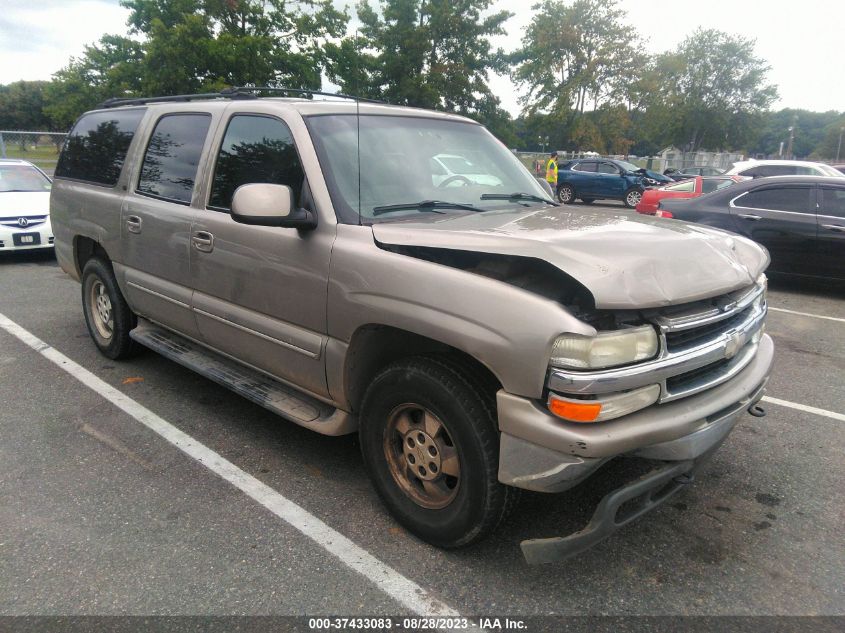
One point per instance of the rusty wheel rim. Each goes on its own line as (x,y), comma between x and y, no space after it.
(101,309)
(422,457)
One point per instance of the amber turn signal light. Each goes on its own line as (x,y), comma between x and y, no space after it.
(575,411)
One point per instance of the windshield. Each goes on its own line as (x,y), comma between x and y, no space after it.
(22,178)
(408,160)
(830,171)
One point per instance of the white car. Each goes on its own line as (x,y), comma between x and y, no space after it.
(453,170)
(24,207)
(763,168)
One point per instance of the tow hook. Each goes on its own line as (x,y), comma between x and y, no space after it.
(757,411)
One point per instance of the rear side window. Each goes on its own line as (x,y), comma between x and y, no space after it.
(794,199)
(255,149)
(712,185)
(173,154)
(585,167)
(832,202)
(96,147)
(685,185)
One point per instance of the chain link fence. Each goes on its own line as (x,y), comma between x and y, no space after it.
(40,148)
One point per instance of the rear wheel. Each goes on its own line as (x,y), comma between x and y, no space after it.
(107,315)
(431,448)
(566,194)
(632,197)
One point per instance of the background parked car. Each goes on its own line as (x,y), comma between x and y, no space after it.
(593,179)
(689,188)
(839,168)
(24,206)
(448,169)
(701,171)
(800,219)
(765,168)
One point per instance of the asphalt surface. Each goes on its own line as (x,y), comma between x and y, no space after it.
(99,515)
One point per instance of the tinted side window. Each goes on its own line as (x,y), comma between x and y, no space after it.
(96,146)
(712,185)
(170,164)
(833,202)
(795,199)
(607,168)
(585,167)
(255,149)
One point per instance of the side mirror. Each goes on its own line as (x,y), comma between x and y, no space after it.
(263,204)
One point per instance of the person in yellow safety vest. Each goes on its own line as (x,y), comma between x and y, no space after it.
(551,171)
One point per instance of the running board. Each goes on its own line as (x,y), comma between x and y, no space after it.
(249,383)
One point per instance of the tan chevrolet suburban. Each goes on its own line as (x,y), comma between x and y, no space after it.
(320,259)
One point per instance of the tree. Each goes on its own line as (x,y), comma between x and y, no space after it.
(190,46)
(21,106)
(714,91)
(425,53)
(573,55)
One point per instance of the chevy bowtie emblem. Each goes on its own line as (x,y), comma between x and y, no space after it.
(23,222)
(734,342)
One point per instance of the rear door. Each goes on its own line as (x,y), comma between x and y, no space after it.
(157,217)
(782,218)
(831,217)
(583,178)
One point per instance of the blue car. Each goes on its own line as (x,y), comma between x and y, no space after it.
(603,178)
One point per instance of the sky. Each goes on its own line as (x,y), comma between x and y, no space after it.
(801,41)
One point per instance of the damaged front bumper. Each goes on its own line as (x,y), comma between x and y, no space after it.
(539,452)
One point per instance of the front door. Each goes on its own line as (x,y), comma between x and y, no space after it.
(156,222)
(831,217)
(783,219)
(260,292)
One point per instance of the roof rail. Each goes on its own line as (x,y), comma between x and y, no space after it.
(238,92)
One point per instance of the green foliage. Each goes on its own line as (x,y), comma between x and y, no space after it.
(712,92)
(425,53)
(21,106)
(575,54)
(586,84)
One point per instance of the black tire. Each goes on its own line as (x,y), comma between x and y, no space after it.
(438,387)
(110,335)
(632,197)
(588,200)
(566,194)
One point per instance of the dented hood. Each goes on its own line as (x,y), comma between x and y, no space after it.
(625,261)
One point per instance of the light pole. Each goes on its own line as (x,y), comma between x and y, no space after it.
(543,142)
(839,147)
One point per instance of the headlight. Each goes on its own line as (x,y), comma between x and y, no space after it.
(606,349)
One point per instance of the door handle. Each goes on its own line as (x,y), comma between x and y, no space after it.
(834,227)
(203,241)
(750,216)
(133,223)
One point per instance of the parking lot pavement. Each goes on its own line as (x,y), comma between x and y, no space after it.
(104,516)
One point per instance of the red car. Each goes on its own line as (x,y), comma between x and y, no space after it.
(692,188)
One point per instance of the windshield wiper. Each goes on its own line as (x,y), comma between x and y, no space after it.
(517,196)
(428,206)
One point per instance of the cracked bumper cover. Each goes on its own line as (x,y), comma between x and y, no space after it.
(542,453)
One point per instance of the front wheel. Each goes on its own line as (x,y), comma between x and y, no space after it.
(107,314)
(566,194)
(632,197)
(431,448)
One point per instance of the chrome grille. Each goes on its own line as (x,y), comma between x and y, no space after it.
(702,344)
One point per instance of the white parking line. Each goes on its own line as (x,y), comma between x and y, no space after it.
(388,580)
(803,407)
(806,314)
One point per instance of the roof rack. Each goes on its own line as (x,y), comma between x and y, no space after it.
(238,92)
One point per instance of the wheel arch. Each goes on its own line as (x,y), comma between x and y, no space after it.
(374,346)
(84,248)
